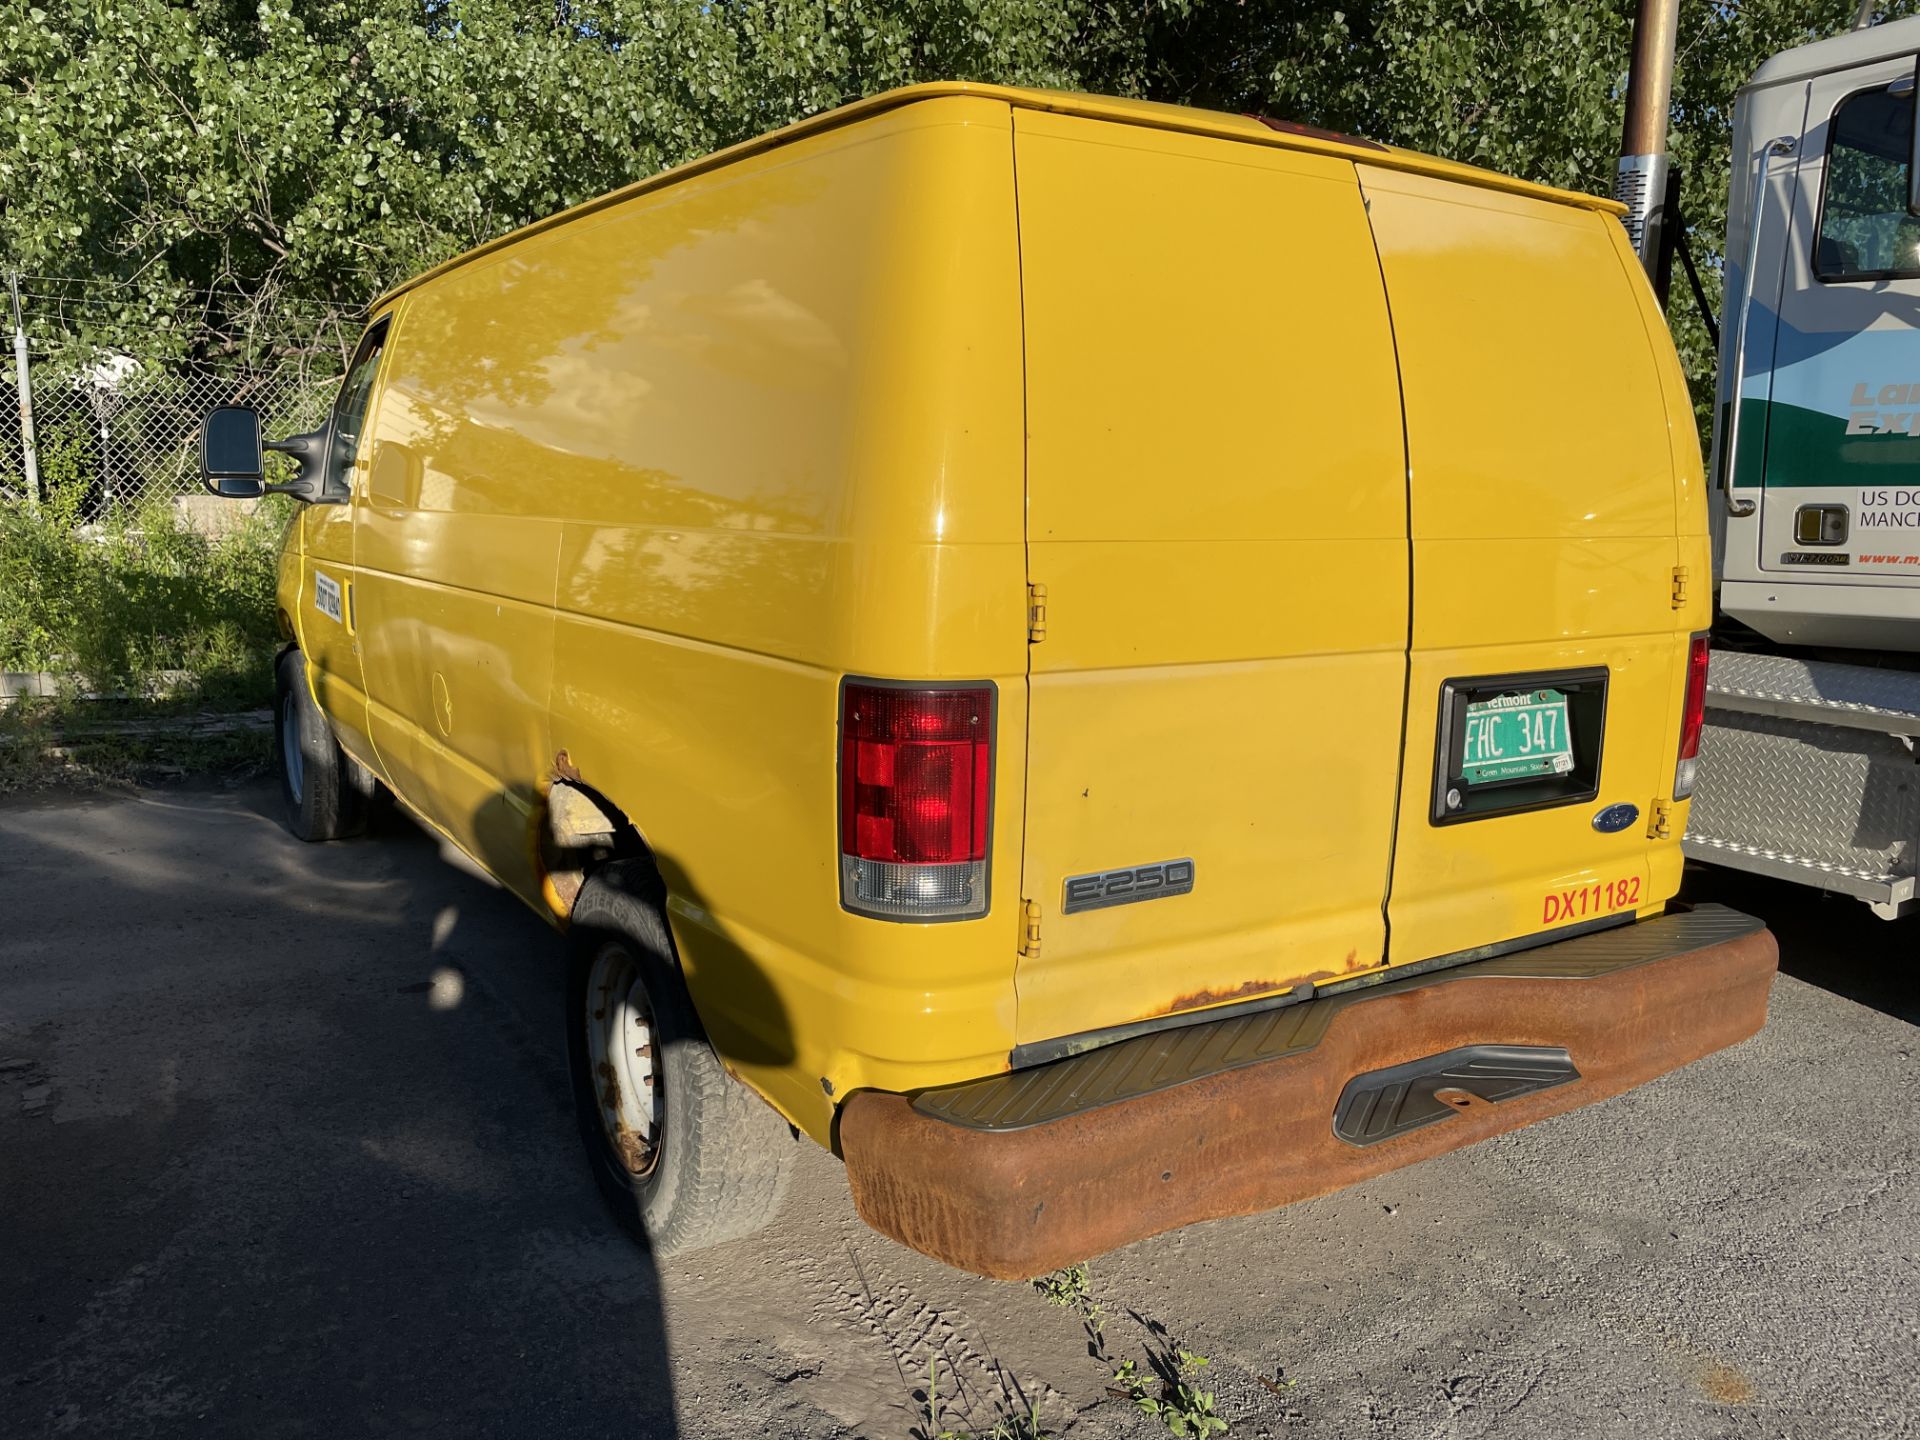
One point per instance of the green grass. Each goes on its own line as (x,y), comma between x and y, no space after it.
(141,607)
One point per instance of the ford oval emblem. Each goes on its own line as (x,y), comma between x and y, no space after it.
(1615,818)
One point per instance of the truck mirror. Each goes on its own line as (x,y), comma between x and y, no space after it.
(1913,143)
(231,459)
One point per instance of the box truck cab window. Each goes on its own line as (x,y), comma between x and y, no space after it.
(1865,230)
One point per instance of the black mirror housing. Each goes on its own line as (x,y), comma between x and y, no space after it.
(232,461)
(1913,144)
(309,452)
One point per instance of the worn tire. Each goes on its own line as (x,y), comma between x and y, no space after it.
(720,1157)
(326,792)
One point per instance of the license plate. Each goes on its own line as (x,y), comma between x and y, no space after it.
(1520,736)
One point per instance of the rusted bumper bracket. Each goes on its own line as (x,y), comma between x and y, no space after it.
(1018,1174)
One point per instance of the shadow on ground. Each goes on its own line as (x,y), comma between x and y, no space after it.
(288,1142)
(1832,941)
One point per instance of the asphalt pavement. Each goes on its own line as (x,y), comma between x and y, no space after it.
(286,1148)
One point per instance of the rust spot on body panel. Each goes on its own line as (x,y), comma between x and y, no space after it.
(1199,999)
(1255,989)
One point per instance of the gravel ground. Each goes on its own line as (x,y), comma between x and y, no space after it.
(286,1148)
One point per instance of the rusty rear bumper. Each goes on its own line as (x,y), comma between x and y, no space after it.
(1018,1174)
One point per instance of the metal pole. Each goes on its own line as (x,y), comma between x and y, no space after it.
(23,382)
(1640,182)
(106,458)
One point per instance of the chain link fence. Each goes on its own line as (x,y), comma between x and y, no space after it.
(114,425)
(117,435)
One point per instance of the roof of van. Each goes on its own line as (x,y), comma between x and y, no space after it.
(1252,129)
(1840,52)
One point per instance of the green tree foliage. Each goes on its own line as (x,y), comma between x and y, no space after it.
(320,151)
(220,158)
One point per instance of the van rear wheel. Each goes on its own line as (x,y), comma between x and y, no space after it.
(687,1156)
(325,791)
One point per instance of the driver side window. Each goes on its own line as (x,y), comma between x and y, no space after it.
(1865,230)
(350,409)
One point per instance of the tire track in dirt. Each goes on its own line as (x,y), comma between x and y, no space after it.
(857,1291)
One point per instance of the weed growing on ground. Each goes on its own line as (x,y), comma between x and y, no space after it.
(1280,1385)
(1006,1427)
(1069,1289)
(1180,1404)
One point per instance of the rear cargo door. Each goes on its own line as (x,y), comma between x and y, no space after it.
(1216,512)
(1545,667)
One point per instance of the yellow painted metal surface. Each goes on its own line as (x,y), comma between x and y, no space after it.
(334,670)
(1143,114)
(1217,506)
(815,471)
(1544,500)
(645,482)
(457,553)
(643,487)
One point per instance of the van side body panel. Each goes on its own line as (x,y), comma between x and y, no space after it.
(1543,523)
(1216,506)
(775,438)
(456,555)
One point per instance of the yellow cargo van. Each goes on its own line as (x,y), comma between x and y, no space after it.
(1111,664)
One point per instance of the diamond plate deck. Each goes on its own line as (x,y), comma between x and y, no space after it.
(1822,803)
(1858,697)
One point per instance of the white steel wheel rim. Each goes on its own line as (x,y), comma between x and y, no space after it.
(620,1058)
(290,753)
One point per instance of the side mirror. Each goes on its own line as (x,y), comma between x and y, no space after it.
(232,464)
(1912,89)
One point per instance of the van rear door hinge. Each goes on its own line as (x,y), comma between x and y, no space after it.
(1029,927)
(1679,586)
(1659,820)
(1036,614)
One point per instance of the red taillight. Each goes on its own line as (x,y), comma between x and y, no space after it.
(916,778)
(1693,717)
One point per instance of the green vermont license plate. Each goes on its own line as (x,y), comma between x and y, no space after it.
(1517,737)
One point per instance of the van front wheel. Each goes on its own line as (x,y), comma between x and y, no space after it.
(686,1155)
(325,792)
